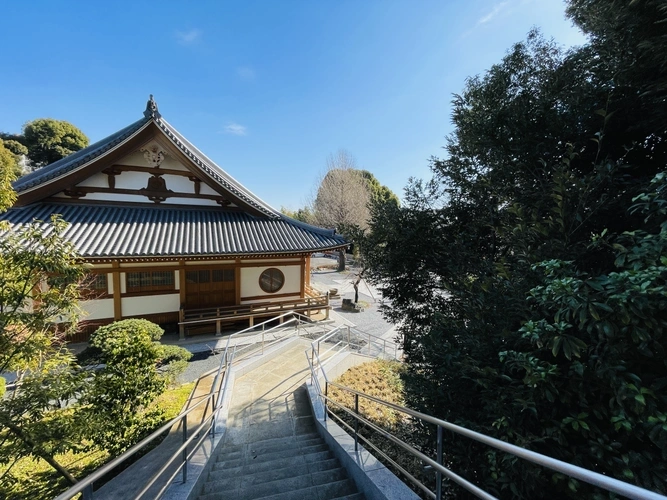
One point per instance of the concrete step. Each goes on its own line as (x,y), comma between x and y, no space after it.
(291,489)
(244,477)
(295,461)
(270,482)
(329,491)
(257,457)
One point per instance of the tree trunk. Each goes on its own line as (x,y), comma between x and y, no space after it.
(35,449)
(341,259)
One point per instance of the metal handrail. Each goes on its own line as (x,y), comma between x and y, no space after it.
(585,475)
(372,339)
(108,467)
(85,485)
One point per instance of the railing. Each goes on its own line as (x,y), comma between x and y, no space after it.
(219,315)
(360,342)
(585,475)
(216,397)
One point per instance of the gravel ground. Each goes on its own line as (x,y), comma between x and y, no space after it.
(207,354)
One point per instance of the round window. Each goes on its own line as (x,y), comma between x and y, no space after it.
(271,280)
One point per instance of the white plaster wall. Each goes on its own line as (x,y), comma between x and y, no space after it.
(134,159)
(179,184)
(132,180)
(97,180)
(173,164)
(206,189)
(111,197)
(150,304)
(190,201)
(97,309)
(250,281)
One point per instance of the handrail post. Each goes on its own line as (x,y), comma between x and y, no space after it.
(438,474)
(215,411)
(185,450)
(326,401)
(312,364)
(356,422)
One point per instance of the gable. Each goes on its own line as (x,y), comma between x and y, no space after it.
(149,174)
(136,154)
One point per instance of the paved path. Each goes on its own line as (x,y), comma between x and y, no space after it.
(271,401)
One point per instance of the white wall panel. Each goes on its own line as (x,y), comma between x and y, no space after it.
(97,309)
(250,281)
(150,304)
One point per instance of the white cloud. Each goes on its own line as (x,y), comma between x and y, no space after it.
(188,37)
(235,129)
(497,9)
(246,73)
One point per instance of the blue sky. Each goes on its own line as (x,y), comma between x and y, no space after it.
(267,89)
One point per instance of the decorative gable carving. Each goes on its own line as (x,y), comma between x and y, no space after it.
(153,155)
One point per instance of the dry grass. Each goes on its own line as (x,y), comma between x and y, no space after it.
(380,379)
(35,479)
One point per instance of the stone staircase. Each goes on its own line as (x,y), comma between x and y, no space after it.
(271,448)
(296,467)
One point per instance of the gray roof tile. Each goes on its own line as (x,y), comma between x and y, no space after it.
(114,231)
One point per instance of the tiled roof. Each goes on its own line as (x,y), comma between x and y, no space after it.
(81,157)
(86,155)
(114,231)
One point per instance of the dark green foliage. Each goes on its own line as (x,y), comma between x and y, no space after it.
(49,140)
(8,173)
(128,383)
(304,214)
(173,361)
(531,296)
(38,307)
(15,147)
(379,192)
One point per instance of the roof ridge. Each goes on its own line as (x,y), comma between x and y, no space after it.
(213,169)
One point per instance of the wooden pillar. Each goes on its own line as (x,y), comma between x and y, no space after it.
(117,303)
(307,270)
(181,282)
(237,280)
(303,277)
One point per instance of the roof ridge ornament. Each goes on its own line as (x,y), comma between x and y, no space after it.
(151,109)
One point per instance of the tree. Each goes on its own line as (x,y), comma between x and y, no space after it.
(342,197)
(379,193)
(18,152)
(493,277)
(49,140)
(38,307)
(8,167)
(117,407)
(304,214)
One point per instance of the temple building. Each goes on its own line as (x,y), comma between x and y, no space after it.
(168,235)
